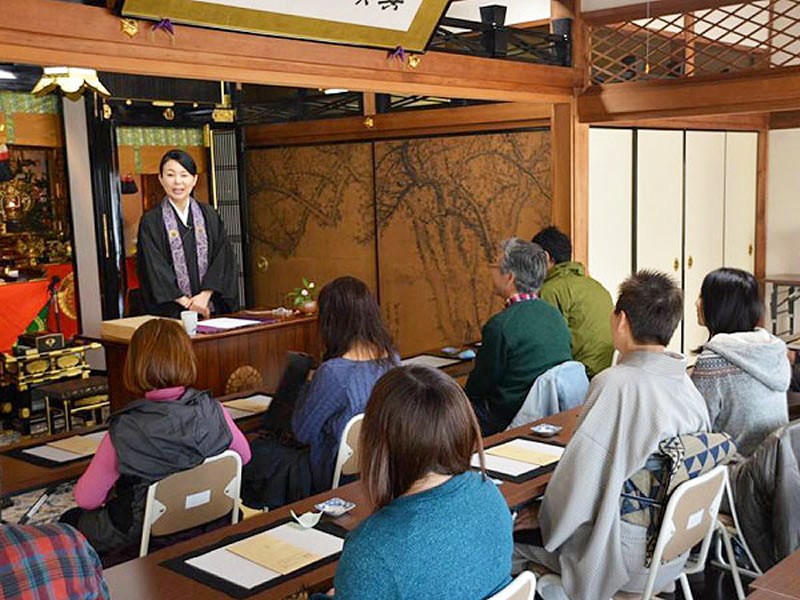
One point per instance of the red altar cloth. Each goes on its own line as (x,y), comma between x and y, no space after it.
(22,302)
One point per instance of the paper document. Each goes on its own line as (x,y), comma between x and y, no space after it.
(427,360)
(252,404)
(519,456)
(228,323)
(228,564)
(53,454)
(274,554)
(80,445)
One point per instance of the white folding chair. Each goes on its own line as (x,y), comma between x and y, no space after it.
(523,587)
(347,457)
(193,497)
(689,519)
(728,529)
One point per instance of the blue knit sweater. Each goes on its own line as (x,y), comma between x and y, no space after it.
(338,391)
(452,542)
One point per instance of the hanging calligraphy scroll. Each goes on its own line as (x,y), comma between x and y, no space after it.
(378,23)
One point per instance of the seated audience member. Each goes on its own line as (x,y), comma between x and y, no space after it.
(358,350)
(647,397)
(743,371)
(49,562)
(441,530)
(173,428)
(584,302)
(520,343)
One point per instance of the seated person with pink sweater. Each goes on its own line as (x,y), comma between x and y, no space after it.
(173,428)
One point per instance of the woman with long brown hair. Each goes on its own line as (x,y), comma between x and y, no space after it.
(171,429)
(441,529)
(358,350)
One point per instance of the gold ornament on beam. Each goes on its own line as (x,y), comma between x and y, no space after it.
(414,60)
(129,27)
(71,81)
(369,122)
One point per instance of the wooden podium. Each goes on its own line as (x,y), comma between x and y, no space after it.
(234,355)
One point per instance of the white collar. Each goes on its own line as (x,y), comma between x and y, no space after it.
(182,214)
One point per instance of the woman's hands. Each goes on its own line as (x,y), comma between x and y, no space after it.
(198,303)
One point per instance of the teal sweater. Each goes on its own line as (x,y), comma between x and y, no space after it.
(519,344)
(452,542)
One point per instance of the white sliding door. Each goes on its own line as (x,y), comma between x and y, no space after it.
(659,211)
(610,210)
(741,158)
(705,215)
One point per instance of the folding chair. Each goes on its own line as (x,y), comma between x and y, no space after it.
(347,457)
(689,519)
(728,529)
(523,587)
(193,497)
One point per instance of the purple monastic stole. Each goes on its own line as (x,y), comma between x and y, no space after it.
(176,244)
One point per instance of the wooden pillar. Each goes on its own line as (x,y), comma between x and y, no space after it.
(570,170)
(760,262)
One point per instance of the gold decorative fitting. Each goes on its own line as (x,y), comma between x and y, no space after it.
(129,27)
(413,61)
(369,122)
(69,80)
(223,115)
(169,114)
(106,111)
(262,264)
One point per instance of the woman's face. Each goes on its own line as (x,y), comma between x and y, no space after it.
(177,182)
(699,306)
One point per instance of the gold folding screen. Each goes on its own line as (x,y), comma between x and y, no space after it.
(439,207)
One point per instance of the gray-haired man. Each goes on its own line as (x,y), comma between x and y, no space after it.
(521,342)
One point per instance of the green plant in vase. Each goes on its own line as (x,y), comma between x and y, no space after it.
(304,298)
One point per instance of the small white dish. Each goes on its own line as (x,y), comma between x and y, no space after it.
(307,520)
(335,507)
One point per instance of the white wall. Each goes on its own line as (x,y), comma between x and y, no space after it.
(783,202)
(82,202)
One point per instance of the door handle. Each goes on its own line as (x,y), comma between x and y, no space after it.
(750,250)
(676,264)
(690,262)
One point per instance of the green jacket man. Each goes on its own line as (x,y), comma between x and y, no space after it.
(584,302)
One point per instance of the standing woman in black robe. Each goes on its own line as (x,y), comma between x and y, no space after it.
(184,259)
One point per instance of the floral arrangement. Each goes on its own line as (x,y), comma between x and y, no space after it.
(301,295)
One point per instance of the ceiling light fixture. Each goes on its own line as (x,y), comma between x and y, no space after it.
(71,81)
(330,91)
(6,74)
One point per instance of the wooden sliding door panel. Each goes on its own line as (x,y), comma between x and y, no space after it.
(311,215)
(443,206)
(704,205)
(659,205)
(740,199)
(610,205)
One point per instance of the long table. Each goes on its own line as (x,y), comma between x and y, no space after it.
(781,581)
(20,476)
(146,578)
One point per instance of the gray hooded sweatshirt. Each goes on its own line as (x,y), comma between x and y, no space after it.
(743,377)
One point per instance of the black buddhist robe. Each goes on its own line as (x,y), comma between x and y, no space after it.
(157,273)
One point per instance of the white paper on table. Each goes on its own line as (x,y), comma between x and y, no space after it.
(97,435)
(54,454)
(240,571)
(428,360)
(237,414)
(262,400)
(514,468)
(228,323)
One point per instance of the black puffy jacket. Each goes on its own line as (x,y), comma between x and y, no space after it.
(766,491)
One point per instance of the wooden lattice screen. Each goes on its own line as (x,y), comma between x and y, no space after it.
(726,39)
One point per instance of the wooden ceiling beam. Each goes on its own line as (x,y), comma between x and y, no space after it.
(763,91)
(644,10)
(789,119)
(49,32)
(434,121)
